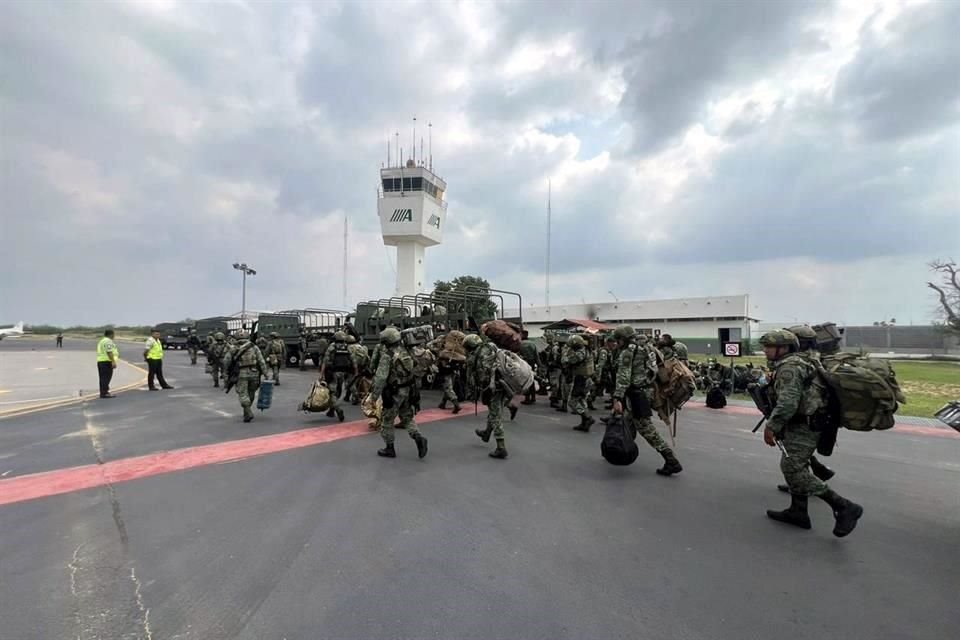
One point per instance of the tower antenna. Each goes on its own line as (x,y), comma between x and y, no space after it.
(413,141)
(549,221)
(399,159)
(430,143)
(388,151)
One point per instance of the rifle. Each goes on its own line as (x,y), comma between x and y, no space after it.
(760,394)
(233,371)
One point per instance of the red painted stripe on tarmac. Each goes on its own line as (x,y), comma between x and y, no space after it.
(60,481)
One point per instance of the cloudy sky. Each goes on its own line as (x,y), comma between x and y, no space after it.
(806,153)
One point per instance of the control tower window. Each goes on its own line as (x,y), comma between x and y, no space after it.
(391,184)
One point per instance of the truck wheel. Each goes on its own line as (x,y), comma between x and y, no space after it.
(293,360)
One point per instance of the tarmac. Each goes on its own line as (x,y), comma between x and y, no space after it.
(162,515)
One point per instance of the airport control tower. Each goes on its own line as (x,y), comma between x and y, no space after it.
(412,214)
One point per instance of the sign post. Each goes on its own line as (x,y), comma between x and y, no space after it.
(731,349)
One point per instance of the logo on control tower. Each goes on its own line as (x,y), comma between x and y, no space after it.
(434,221)
(402,215)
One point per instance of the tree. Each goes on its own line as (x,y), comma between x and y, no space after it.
(480,309)
(949,292)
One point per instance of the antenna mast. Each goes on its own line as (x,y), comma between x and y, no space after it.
(430,137)
(413,141)
(549,214)
(345,232)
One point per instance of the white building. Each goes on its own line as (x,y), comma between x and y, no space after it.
(412,213)
(701,323)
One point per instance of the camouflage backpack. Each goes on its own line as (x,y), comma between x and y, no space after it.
(423,360)
(402,367)
(513,372)
(866,391)
(672,387)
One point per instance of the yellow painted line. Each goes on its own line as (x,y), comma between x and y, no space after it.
(43,406)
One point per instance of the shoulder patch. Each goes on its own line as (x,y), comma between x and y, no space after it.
(786,375)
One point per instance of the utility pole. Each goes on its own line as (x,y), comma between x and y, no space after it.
(242,266)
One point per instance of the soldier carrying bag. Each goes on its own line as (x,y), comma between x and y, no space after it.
(233,372)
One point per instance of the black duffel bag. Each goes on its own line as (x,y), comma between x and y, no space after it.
(618,446)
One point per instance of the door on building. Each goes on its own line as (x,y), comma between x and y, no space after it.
(728,334)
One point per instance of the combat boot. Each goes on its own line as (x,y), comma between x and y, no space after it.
(500,453)
(845,513)
(585,423)
(822,471)
(443,404)
(554,403)
(484,434)
(513,411)
(562,408)
(331,412)
(671,465)
(456,407)
(795,514)
(216,383)
(340,415)
(421,445)
(387,452)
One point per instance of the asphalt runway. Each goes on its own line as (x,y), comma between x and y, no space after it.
(162,515)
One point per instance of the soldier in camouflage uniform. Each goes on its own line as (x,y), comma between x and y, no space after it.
(303,349)
(361,359)
(671,348)
(636,372)
(531,355)
(276,355)
(482,382)
(807,338)
(338,365)
(578,361)
(552,358)
(566,378)
(215,353)
(392,382)
(796,398)
(448,369)
(193,346)
(251,366)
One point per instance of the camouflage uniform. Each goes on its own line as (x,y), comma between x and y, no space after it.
(552,357)
(636,371)
(341,377)
(251,367)
(481,379)
(303,350)
(531,355)
(579,362)
(360,357)
(276,355)
(566,379)
(797,397)
(392,382)
(215,354)
(193,346)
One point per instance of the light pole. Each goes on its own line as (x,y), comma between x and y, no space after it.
(242,266)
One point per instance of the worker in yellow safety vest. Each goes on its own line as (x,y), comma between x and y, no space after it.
(153,354)
(107,358)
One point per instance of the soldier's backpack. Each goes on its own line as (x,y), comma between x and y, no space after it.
(417,335)
(319,398)
(672,387)
(715,398)
(502,334)
(618,446)
(452,348)
(402,367)
(865,391)
(423,360)
(514,373)
(342,359)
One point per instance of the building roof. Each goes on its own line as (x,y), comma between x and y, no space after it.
(725,306)
(589,326)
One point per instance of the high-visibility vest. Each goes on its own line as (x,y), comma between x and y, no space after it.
(103,348)
(156,351)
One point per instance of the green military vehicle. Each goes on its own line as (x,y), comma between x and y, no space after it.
(319,325)
(173,335)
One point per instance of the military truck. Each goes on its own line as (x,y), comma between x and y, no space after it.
(319,324)
(442,310)
(173,335)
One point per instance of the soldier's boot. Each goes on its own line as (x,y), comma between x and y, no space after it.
(513,411)
(554,402)
(443,404)
(247,414)
(387,452)
(585,423)
(421,445)
(845,513)
(216,383)
(331,412)
(670,463)
(340,415)
(795,514)
(562,408)
(500,453)
(484,434)
(456,407)
(822,471)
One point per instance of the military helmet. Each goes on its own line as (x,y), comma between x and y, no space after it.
(351,339)
(472,341)
(390,335)
(274,334)
(780,338)
(577,342)
(803,332)
(624,332)
(242,335)
(340,336)
(219,336)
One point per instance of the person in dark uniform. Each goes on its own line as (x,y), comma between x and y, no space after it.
(60,340)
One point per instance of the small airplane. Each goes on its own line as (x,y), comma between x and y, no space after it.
(15,330)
